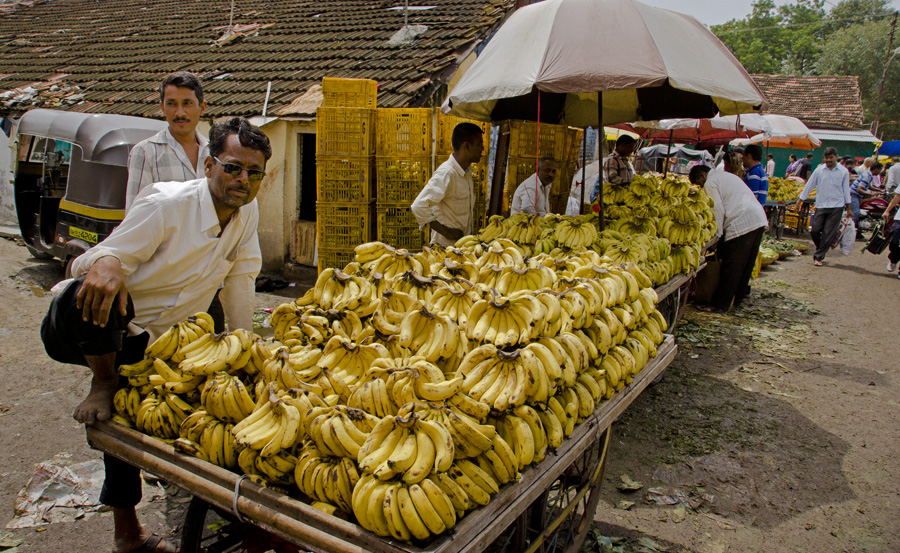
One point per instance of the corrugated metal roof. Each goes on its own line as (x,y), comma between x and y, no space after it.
(845,136)
(113,55)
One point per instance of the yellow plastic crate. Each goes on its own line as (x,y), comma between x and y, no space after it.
(344,225)
(347,179)
(445,126)
(335,258)
(524,140)
(345,132)
(398,227)
(399,180)
(404,132)
(349,93)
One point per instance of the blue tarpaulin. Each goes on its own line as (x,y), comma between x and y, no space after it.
(889,148)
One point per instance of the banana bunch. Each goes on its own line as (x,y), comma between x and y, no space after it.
(460,255)
(455,302)
(418,287)
(515,279)
(212,353)
(327,479)
(680,231)
(409,448)
(126,403)
(685,259)
(614,193)
(524,431)
(156,418)
(524,231)
(500,253)
(406,512)
(394,263)
(504,380)
(677,188)
(287,316)
(348,360)
(614,212)
(225,397)
(180,335)
(274,425)
(635,201)
(392,343)
(389,384)
(339,431)
(392,308)
(429,335)
(643,185)
(339,290)
(637,226)
(286,371)
(371,251)
(556,319)
(204,436)
(449,268)
(430,255)
(497,227)
(505,321)
(574,234)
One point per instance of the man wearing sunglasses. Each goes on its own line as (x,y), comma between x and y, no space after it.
(163,263)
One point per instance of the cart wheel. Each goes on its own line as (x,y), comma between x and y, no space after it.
(584,475)
(209,530)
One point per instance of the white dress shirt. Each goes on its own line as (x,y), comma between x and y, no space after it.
(447,198)
(524,202)
(591,170)
(174,258)
(893,178)
(735,206)
(770,168)
(161,158)
(833,186)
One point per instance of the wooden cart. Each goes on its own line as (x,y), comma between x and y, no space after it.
(549,509)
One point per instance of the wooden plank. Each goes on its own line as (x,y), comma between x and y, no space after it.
(297,522)
(675,283)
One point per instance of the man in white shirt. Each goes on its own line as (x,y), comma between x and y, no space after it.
(163,263)
(893,176)
(532,198)
(176,153)
(591,170)
(770,166)
(832,200)
(447,201)
(740,221)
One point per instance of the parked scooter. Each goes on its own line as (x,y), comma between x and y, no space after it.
(871,211)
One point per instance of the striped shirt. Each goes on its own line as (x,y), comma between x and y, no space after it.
(758,181)
(161,158)
(864,180)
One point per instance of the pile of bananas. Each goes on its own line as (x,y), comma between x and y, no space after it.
(661,224)
(406,389)
(781,189)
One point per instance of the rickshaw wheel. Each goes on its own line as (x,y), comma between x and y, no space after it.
(36,253)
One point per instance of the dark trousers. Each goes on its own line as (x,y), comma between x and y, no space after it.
(737,258)
(894,245)
(67,339)
(824,229)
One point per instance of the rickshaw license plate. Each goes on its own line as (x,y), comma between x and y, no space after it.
(83,234)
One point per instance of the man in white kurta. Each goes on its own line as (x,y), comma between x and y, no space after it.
(447,202)
(530,197)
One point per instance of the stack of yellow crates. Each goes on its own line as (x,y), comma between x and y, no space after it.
(402,167)
(526,147)
(445,126)
(345,160)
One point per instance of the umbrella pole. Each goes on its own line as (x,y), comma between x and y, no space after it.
(668,152)
(602,133)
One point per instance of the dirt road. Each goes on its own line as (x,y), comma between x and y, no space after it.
(775,429)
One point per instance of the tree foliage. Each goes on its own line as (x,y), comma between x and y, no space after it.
(801,38)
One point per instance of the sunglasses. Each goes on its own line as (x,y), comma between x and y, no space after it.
(236,170)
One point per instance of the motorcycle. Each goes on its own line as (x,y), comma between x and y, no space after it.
(871,210)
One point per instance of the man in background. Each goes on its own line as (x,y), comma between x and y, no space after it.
(770,166)
(893,176)
(447,202)
(832,200)
(804,169)
(616,167)
(754,174)
(533,194)
(177,153)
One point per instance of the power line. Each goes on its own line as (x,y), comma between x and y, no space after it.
(786,25)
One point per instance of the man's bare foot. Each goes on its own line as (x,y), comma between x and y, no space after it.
(97,406)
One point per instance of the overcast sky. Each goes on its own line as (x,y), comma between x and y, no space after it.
(715,12)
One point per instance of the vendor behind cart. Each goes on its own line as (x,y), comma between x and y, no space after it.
(533,194)
(616,167)
(447,202)
(163,263)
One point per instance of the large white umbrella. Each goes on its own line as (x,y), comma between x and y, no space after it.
(784,132)
(649,63)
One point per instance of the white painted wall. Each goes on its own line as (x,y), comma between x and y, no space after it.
(8,148)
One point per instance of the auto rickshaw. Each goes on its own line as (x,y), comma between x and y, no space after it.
(70,178)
